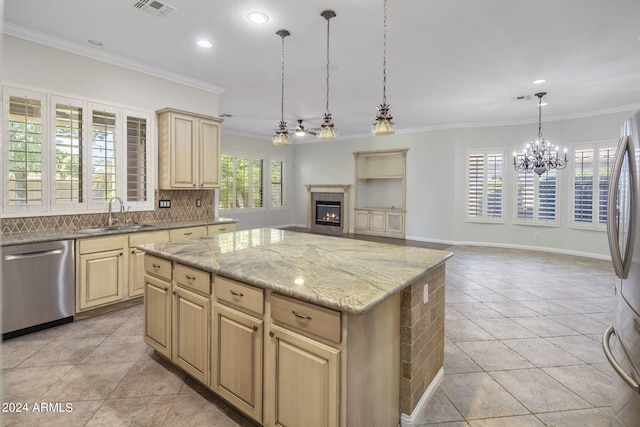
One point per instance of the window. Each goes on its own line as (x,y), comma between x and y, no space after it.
(485,175)
(23,152)
(68,155)
(277,181)
(537,198)
(242,182)
(591,170)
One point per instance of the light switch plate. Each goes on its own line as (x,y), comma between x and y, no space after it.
(425,293)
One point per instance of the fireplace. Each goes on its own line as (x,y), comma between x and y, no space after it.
(328,213)
(328,208)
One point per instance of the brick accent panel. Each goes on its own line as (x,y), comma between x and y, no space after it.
(422,339)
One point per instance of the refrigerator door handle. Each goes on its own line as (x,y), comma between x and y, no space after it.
(614,363)
(621,265)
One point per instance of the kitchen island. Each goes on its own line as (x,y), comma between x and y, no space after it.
(299,329)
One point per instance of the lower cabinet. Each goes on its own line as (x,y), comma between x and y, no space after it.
(190,333)
(100,271)
(157,314)
(135,286)
(388,222)
(304,381)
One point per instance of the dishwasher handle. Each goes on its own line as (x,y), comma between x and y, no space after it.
(33,255)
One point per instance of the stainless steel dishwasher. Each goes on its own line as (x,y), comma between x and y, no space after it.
(38,286)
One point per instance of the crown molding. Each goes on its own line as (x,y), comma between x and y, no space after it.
(86,51)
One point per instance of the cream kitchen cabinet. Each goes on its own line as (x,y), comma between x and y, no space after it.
(157,304)
(135,285)
(237,345)
(191,322)
(303,382)
(189,150)
(187,233)
(212,230)
(101,271)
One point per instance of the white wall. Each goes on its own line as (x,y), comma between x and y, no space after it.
(436,181)
(53,70)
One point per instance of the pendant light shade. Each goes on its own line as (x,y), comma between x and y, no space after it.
(281,136)
(327,129)
(383,124)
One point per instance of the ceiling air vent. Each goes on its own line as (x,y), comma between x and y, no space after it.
(521,98)
(154,7)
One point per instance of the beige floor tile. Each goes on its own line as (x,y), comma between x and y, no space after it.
(141,411)
(150,378)
(493,355)
(68,414)
(581,418)
(541,352)
(88,382)
(587,382)
(520,421)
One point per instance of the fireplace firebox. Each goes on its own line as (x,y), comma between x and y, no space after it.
(328,213)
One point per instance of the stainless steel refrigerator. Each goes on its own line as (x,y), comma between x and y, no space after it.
(621,341)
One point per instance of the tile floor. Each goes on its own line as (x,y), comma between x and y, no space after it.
(522,349)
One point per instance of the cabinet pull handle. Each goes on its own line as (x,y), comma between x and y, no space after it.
(188,233)
(271,334)
(236,294)
(189,277)
(222,229)
(155,265)
(301,316)
(254,327)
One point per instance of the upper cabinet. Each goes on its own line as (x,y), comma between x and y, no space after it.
(188,150)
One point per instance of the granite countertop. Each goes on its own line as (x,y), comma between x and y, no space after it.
(345,274)
(39,236)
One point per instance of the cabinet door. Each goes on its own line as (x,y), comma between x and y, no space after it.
(237,359)
(101,278)
(157,315)
(190,339)
(209,165)
(304,381)
(184,139)
(362,220)
(136,273)
(395,222)
(377,221)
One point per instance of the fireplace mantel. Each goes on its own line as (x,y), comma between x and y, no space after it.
(329,188)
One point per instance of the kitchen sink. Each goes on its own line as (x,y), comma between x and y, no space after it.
(110,228)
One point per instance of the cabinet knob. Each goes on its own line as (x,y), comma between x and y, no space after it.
(255,327)
(194,185)
(166,288)
(174,292)
(271,334)
(133,251)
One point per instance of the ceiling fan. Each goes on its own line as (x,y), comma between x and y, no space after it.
(302,131)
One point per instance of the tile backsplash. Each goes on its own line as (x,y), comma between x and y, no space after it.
(183,206)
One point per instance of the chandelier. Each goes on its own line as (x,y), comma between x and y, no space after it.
(383,124)
(282,132)
(538,155)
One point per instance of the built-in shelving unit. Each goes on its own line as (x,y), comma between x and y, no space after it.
(380,192)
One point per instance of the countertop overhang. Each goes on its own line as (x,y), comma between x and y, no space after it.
(345,274)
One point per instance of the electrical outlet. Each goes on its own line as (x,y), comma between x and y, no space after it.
(164,204)
(198,203)
(425,293)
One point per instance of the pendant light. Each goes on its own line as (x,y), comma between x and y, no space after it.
(383,124)
(327,129)
(282,132)
(538,155)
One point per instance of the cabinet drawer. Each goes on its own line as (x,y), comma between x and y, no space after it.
(239,294)
(187,233)
(101,244)
(320,321)
(212,230)
(157,267)
(149,237)
(192,278)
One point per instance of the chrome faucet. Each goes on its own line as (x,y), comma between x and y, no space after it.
(113,219)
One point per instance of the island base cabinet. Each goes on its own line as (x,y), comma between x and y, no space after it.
(190,349)
(304,381)
(157,315)
(237,361)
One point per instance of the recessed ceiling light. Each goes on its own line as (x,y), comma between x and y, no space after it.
(96,43)
(204,43)
(257,17)
(539,81)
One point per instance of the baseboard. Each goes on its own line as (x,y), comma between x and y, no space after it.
(410,420)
